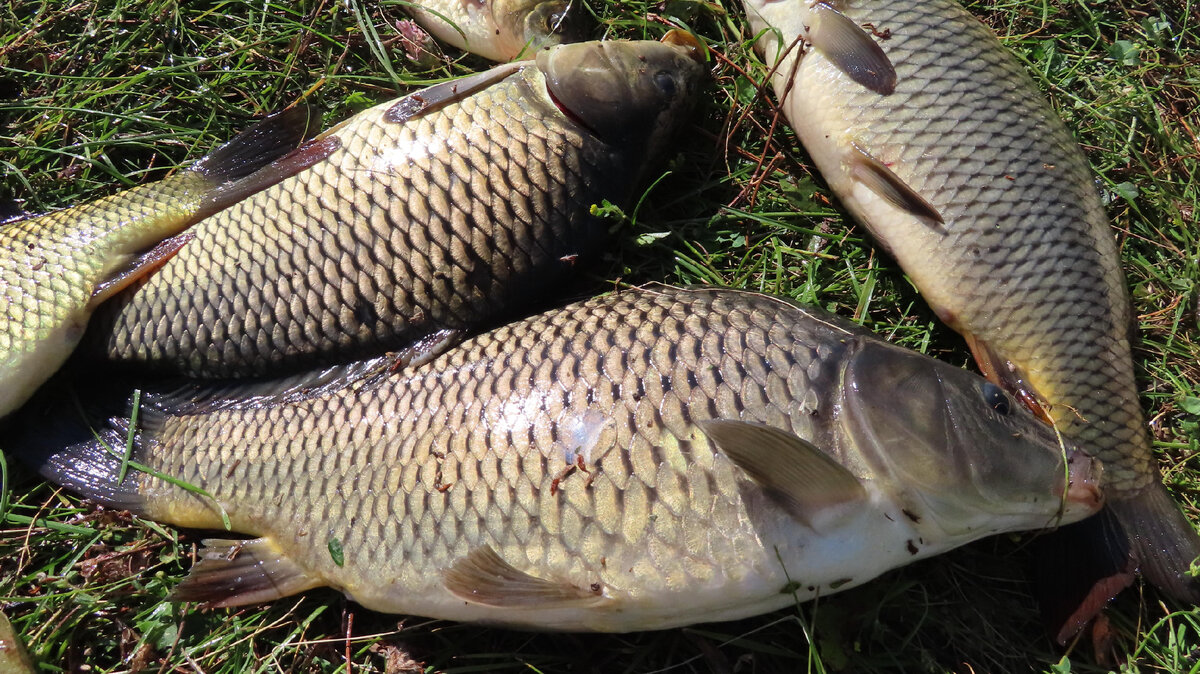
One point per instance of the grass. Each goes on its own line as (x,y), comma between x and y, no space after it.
(95,96)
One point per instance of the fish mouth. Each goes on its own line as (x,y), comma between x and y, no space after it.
(1084,475)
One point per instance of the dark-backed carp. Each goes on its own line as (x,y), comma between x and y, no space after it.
(427,216)
(639,461)
(937,140)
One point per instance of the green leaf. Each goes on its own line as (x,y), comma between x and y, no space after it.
(1125,52)
(336,552)
(1190,405)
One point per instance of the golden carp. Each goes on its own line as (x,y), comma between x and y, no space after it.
(937,140)
(638,461)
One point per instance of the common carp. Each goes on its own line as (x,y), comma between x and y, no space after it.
(57,267)
(638,461)
(937,140)
(430,215)
(500,30)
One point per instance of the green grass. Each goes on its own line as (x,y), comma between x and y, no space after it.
(95,96)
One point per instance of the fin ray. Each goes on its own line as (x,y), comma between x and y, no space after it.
(482,577)
(806,481)
(240,572)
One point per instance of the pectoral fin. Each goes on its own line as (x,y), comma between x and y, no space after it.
(235,573)
(881,180)
(813,487)
(850,49)
(482,577)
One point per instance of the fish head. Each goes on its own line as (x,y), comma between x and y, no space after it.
(628,94)
(959,449)
(531,26)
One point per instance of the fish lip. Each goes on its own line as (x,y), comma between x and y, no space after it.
(1084,476)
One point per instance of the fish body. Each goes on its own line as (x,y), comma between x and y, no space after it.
(433,214)
(500,30)
(13,657)
(638,461)
(57,267)
(937,140)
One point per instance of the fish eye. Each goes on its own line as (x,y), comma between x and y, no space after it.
(996,398)
(665,83)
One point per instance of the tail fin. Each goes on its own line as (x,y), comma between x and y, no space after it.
(1082,566)
(81,450)
(89,449)
(1163,541)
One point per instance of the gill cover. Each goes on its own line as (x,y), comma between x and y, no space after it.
(959,444)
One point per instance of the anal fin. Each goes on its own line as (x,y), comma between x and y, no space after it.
(482,577)
(850,49)
(236,573)
(813,487)
(881,180)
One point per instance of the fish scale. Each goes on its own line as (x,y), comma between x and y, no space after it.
(961,170)
(1032,257)
(56,267)
(564,472)
(410,228)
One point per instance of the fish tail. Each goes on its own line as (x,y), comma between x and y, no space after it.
(1164,543)
(62,442)
(1082,566)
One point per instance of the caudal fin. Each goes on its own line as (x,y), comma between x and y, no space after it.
(1082,566)
(1163,541)
(81,450)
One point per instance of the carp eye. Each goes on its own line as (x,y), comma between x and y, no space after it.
(665,83)
(996,399)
